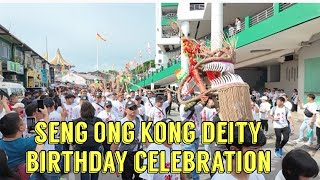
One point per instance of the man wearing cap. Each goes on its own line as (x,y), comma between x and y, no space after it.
(69,105)
(264,110)
(119,106)
(158,111)
(77,108)
(98,104)
(19,108)
(107,114)
(148,101)
(141,109)
(131,115)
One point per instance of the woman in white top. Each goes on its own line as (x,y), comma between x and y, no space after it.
(255,109)
(238,24)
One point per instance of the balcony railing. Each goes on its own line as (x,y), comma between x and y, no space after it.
(169,35)
(261,16)
(284,6)
(170,15)
(246,23)
(195,7)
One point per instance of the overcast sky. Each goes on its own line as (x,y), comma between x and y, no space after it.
(73,27)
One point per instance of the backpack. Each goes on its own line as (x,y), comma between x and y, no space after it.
(90,142)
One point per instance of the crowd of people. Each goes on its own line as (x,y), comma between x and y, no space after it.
(95,105)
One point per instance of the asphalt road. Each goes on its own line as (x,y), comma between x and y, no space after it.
(275,161)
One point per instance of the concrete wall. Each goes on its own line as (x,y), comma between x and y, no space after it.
(304,53)
(254,77)
(288,77)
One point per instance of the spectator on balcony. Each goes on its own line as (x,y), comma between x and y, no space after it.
(238,24)
(231,30)
(170,62)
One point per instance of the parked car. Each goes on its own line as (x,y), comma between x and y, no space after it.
(13,88)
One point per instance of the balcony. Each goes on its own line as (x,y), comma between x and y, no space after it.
(170,34)
(169,4)
(196,6)
(166,20)
(278,18)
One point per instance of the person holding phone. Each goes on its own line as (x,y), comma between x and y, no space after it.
(12,127)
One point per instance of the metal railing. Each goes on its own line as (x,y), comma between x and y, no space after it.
(170,34)
(261,16)
(254,20)
(170,15)
(197,6)
(284,6)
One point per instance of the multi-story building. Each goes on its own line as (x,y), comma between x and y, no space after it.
(167,38)
(20,63)
(277,45)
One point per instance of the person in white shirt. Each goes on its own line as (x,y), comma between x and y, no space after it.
(298,165)
(119,106)
(231,30)
(4,109)
(158,111)
(98,104)
(208,113)
(281,93)
(148,101)
(141,109)
(294,100)
(131,111)
(107,114)
(264,109)
(255,109)
(280,115)
(274,97)
(287,103)
(238,24)
(247,145)
(192,112)
(168,148)
(310,115)
(76,110)
(69,105)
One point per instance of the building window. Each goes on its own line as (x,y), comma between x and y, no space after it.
(18,56)
(160,61)
(159,51)
(196,6)
(4,50)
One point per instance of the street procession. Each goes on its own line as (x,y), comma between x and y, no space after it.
(159,90)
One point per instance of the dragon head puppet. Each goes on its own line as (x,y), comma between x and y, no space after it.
(212,73)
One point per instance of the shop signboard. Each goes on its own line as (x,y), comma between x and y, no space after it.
(44,76)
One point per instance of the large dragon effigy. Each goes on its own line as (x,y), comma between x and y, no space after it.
(212,73)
